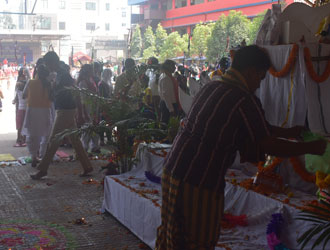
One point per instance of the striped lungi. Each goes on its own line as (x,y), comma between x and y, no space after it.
(190,216)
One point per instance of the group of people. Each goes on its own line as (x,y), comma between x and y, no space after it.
(46,106)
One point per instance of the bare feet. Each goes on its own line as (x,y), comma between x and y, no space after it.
(38,175)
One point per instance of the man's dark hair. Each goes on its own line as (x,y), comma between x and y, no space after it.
(168,66)
(251,56)
(51,56)
(152,60)
(129,63)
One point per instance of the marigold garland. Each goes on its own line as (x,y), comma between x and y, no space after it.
(301,171)
(322,180)
(289,64)
(310,68)
(142,193)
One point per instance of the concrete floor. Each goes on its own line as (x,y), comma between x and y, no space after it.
(61,198)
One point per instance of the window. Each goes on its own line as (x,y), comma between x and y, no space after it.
(194,2)
(169,4)
(107,6)
(107,26)
(61,25)
(180,3)
(44,23)
(90,6)
(90,26)
(123,25)
(62,4)
(45,4)
(123,14)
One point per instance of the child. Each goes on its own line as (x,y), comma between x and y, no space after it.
(20,113)
(23,77)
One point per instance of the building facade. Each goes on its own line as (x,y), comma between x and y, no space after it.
(98,28)
(183,15)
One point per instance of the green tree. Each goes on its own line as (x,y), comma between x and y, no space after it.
(149,52)
(201,34)
(6,22)
(173,46)
(160,38)
(235,27)
(136,43)
(149,38)
(255,25)
(149,42)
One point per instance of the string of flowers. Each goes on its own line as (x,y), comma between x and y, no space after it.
(322,180)
(274,229)
(310,68)
(289,64)
(142,193)
(301,171)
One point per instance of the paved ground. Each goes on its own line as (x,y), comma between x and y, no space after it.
(60,199)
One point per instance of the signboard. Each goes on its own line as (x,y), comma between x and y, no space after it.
(23,52)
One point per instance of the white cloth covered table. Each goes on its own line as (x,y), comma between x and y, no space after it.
(136,202)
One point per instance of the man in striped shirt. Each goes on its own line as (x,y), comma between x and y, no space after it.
(225,117)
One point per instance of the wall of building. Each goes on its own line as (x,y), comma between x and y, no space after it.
(210,11)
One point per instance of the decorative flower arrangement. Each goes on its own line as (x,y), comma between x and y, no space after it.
(143,192)
(267,179)
(322,180)
(299,168)
(310,68)
(289,64)
(274,229)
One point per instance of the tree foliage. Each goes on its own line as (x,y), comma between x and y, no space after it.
(149,38)
(254,26)
(234,27)
(136,43)
(173,46)
(201,34)
(149,52)
(160,38)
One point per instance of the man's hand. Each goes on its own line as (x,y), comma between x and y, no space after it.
(296,132)
(318,147)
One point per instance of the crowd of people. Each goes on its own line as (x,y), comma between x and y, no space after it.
(44,107)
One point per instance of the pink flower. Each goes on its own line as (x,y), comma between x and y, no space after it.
(272,240)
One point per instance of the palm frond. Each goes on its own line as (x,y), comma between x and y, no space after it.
(321,227)
(326,232)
